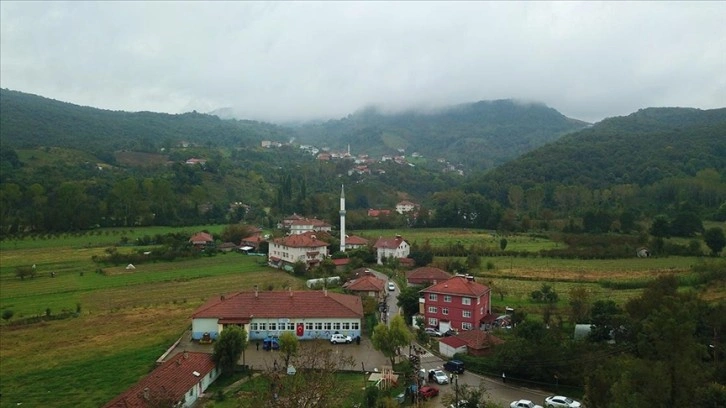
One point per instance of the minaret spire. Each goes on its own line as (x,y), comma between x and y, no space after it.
(342,218)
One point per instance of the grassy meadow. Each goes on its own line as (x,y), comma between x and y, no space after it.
(128,318)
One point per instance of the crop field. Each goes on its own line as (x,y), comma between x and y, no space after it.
(125,319)
(465,237)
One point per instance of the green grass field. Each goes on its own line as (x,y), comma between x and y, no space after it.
(129,317)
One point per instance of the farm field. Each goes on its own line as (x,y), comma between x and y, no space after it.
(127,318)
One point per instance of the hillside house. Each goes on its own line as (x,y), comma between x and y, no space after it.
(472,342)
(372,212)
(405,206)
(458,303)
(308,314)
(395,247)
(178,382)
(252,242)
(307,248)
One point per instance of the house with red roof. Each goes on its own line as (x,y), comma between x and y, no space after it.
(252,242)
(308,314)
(355,242)
(426,275)
(286,251)
(201,239)
(178,382)
(473,342)
(301,226)
(395,247)
(367,285)
(375,213)
(458,303)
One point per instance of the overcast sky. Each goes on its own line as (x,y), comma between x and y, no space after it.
(278,61)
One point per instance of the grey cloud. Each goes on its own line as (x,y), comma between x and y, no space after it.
(300,60)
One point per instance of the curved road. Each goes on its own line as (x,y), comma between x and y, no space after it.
(500,392)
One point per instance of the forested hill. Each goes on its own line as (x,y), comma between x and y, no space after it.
(642,148)
(479,135)
(28,121)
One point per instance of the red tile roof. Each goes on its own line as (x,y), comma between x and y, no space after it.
(478,339)
(295,304)
(427,274)
(201,237)
(375,213)
(366,283)
(454,342)
(169,381)
(355,240)
(341,261)
(458,285)
(306,240)
(389,243)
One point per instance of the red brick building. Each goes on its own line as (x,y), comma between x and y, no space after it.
(458,303)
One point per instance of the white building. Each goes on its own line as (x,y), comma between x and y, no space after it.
(395,247)
(304,247)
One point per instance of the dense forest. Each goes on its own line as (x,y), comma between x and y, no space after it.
(64,167)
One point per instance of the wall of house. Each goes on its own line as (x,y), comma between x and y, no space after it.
(311,328)
(204,325)
(292,255)
(453,310)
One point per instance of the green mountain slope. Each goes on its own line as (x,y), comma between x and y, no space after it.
(28,120)
(642,148)
(479,135)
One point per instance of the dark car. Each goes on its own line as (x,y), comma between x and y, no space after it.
(454,366)
(271,343)
(428,391)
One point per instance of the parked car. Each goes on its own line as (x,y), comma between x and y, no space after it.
(432,332)
(451,332)
(440,377)
(271,343)
(454,366)
(391,287)
(558,401)
(428,391)
(339,338)
(524,404)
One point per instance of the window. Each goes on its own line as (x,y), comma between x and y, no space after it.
(432,309)
(346,326)
(327,325)
(432,296)
(433,322)
(447,298)
(336,326)
(354,326)
(466,326)
(318,325)
(308,325)
(444,310)
(263,326)
(466,313)
(291,326)
(273,326)
(253,327)
(465,301)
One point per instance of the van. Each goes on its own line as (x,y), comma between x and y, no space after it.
(454,366)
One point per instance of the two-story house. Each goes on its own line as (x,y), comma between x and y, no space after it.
(458,303)
(304,225)
(405,206)
(395,247)
(307,248)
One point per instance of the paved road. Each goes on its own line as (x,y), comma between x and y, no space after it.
(391,299)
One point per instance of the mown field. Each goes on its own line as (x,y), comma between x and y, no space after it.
(129,317)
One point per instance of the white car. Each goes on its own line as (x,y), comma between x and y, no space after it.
(339,338)
(432,332)
(391,287)
(440,377)
(558,401)
(524,404)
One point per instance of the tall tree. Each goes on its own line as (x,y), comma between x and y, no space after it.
(229,347)
(715,239)
(389,339)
